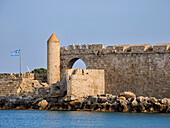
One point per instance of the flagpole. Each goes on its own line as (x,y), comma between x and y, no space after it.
(20,61)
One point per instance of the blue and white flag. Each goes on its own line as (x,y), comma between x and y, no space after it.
(15,53)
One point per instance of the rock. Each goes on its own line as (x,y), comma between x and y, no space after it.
(122,98)
(128,94)
(165,101)
(92,98)
(140,107)
(168,110)
(151,109)
(134,103)
(114,107)
(45,85)
(163,108)
(95,106)
(157,106)
(168,101)
(140,99)
(152,100)
(89,103)
(102,99)
(37,100)
(123,104)
(43,104)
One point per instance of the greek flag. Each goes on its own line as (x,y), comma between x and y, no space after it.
(15,53)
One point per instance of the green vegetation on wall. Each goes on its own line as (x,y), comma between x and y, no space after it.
(40,71)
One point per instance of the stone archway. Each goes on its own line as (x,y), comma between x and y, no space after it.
(67,62)
(73,61)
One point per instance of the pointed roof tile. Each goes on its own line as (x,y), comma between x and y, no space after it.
(53,38)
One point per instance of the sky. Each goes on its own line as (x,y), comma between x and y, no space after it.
(27,25)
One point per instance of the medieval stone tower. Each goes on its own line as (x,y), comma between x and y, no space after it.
(53,59)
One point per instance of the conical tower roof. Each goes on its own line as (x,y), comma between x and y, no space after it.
(53,38)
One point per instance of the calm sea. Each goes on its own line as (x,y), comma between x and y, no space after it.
(53,119)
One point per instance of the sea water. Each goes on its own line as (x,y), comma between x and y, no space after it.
(53,119)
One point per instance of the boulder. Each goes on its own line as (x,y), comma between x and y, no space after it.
(101,99)
(165,101)
(45,85)
(128,94)
(157,106)
(114,106)
(95,106)
(140,107)
(140,99)
(43,104)
(152,100)
(124,106)
(134,103)
(122,98)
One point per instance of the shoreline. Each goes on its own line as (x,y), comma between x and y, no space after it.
(124,102)
(86,111)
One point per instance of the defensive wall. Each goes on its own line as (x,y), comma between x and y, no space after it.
(142,69)
(25,84)
(85,82)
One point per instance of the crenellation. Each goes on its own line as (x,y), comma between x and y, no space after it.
(84,46)
(139,48)
(89,46)
(16,75)
(71,47)
(77,47)
(122,48)
(110,48)
(99,48)
(161,47)
(63,50)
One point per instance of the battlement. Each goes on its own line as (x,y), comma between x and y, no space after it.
(95,48)
(141,48)
(28,75)
(16,75)
(161,47)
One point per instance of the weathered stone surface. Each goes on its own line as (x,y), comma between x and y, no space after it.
(122,98)
(12,84)
(128,94)
(140,99)
(90,103)
(53,59)
(140,68)
(134,103)
(43,104)
(84,82)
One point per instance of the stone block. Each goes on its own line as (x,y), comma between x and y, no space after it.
(161,47)
(141,48)
(85,82)
(122,48)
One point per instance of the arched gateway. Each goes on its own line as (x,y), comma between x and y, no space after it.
(142,69)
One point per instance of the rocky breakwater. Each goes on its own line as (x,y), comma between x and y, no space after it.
(124,102)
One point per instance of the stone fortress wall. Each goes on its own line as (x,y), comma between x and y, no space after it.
(25,84)
(142,69)
(85,82)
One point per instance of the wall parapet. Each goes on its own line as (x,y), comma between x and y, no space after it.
(28,75)
(95,48)
(16,75)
